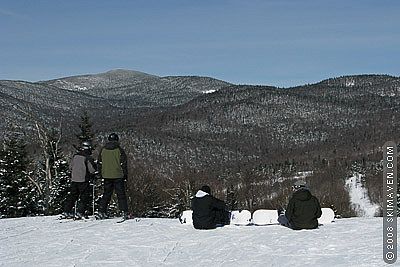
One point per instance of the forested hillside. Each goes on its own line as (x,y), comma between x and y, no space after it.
(248,142)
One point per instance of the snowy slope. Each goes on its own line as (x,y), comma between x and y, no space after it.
(44,241)
(359,197)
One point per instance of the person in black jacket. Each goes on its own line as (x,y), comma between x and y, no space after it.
(208,211)
(303,209)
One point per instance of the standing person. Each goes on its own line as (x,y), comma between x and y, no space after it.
(82,170)
(303,209)
(208,211)
(114,170)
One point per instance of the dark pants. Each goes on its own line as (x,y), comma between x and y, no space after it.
(109,186)
(219,219)
(284,221)
(78,190)
(222,217)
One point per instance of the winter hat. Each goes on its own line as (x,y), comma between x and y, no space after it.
(206,188)
(86,145)
(300,183)
(113,137)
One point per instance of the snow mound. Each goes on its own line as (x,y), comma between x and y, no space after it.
(45,241)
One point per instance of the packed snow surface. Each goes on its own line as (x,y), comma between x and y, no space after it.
(46,241)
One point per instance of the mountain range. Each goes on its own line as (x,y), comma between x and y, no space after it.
(106,94)
(210,111)
(203,127)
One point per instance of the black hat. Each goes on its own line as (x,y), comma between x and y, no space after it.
(300,184)
(113,137)
(86,145)
(206,188)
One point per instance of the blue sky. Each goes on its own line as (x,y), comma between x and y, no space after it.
(282,42)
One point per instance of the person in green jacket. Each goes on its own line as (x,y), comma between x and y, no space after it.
(114,170)
(303,209)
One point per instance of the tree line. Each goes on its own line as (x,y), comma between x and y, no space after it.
(36,183)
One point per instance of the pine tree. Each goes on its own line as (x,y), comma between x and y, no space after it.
(85,127)
(16,191)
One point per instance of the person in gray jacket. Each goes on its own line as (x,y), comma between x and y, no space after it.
(82,170)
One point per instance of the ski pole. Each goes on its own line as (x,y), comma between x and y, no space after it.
(94,183)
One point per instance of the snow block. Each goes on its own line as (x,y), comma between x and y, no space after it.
(240,217)
(265,217)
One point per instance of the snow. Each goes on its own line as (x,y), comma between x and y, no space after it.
(350,83)
(209,91)
(359,197)
(303,175)
(70,86)
(299,176)
(78,88)
(44,241)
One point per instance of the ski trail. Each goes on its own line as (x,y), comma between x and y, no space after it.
(359,197)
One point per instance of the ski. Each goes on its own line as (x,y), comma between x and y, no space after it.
(64,220)
(72,220)
(65,217)
(129,219)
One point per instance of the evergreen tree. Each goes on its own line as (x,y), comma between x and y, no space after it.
(85,127)
(16,191)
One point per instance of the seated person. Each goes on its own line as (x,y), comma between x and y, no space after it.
(208,211)
(303,209)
